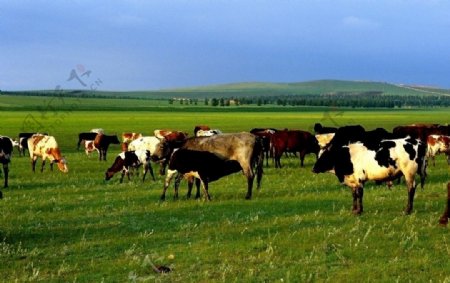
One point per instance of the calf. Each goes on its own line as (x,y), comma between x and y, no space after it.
(243,147)
(6,148)
(438,144)
(102,142)
(86,137)
(46,147)
(355,164)
(89,147)
(205,166)
(130,159)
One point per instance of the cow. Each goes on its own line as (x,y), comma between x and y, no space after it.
(203,165)
(438,144)
(102,142)
(23,145)
(90,147)
(416,131)
(243,147)
(445,216)
(90,136)
(319,129)
(293,141)
(159,150)
(265,134)
(354,164)
(129,137)
(6,148)
(130,159)
(46,147)
(200,127)
(323,140)
(208,133)
(174,138)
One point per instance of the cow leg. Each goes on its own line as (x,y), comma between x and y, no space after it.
(357,193)
(302,158)
(190,185)
(33,164)
(5,172)
(197,185)
(149,168)
(444,218)
(177,185)
(51,165)
(411,185)
(43,164)
(205,189)
(170,175)
(250,177)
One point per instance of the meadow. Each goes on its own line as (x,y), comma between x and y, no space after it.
(299,227)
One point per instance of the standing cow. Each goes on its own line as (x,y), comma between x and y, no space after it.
(293,141)
(46,147)
(6,148)
(243,147)
(102,142)
(130,159)
(354,164)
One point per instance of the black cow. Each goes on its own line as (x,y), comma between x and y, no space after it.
(85,136)
(6,148)
(319,129)
(205,166)
(102,142)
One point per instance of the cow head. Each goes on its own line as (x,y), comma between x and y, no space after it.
(325,162)
(62,165)
(115,167)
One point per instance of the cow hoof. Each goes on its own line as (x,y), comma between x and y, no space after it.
(162,198)
(356,212)
(248,197)
(1,195)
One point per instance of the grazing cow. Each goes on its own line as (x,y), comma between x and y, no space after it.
(293,141)
(319,129)
(438,144)
(243,147)
(354,164)
(158,149)
(208,133)
(89,147)
(444,218)
(200,127)
(130,159)
(129,137)
(102,142)
(87,137)
(6,148)
(174,138)
(203,165)
(46,147)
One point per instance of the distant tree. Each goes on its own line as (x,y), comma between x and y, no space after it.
(170,100)
(206,101)
(214,102)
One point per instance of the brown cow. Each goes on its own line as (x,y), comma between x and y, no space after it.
(129,137)
(293,141)
(444,218)
(438,144)
(102,143)
(416,131)
(47,148)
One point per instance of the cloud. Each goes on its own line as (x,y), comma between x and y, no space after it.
(360,23)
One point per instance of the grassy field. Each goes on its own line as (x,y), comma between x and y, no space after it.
(75,227)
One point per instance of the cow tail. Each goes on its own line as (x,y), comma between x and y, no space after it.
(422,162)
(258,160)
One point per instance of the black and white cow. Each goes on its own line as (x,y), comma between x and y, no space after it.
(6,147)
(354,164)
(203,165)
(130,159)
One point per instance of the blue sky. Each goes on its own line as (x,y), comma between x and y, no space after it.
(160,44)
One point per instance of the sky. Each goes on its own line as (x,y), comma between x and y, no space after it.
(164,44)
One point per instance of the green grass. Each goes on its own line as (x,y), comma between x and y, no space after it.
(297,228)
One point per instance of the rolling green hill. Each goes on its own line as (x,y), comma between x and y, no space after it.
(252,89)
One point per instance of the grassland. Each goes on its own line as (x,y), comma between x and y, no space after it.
(297,228)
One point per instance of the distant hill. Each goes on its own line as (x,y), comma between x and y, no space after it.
(261,89)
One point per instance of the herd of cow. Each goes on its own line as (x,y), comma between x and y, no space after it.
(353,154)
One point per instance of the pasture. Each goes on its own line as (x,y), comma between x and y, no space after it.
(299,227)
